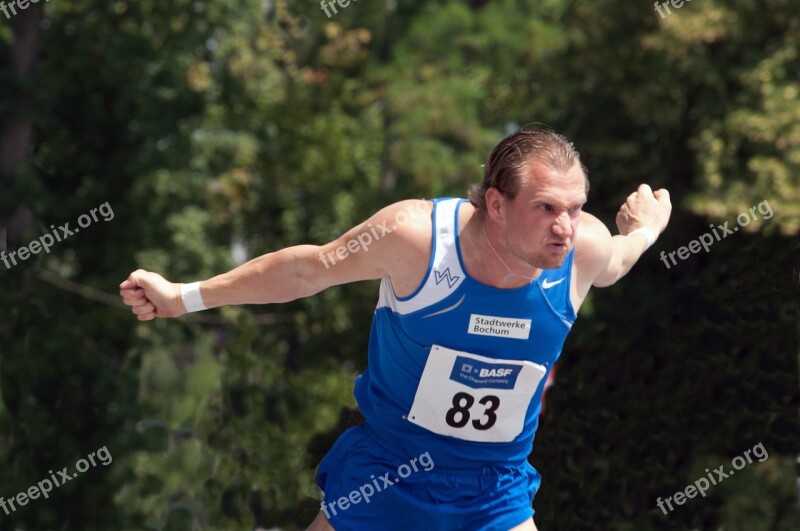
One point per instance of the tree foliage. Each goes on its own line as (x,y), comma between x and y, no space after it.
(219,131)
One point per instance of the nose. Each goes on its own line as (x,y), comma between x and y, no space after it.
(562,226)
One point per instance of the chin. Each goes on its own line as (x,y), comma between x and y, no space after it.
(548,262)
(555,264)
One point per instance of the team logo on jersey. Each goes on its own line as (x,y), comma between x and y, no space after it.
(488,325)
(446,275)
(476,374)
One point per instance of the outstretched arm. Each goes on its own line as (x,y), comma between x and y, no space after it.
(365,252)
(603,258)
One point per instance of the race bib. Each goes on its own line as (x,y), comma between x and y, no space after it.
(473,397)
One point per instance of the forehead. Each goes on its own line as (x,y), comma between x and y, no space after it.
(547,184)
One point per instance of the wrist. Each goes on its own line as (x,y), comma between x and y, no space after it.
(648,233)
(192,298)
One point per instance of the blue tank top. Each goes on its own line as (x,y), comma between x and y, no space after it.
(458,367)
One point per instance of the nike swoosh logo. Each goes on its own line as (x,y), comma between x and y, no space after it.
(546,284)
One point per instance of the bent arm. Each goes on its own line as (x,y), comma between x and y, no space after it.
(604,259)
(625,251)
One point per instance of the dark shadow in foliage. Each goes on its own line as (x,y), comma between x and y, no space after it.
(698,361)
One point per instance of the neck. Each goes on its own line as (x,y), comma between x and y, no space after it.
(489,260)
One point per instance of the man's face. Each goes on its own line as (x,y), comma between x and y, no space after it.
(541,222)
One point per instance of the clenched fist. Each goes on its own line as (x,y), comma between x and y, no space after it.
(150,295)
(645,208)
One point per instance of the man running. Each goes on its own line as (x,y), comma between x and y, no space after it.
(475,302)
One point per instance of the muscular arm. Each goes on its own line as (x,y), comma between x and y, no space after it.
(607,258)
(371,250)
(280,276)
(603,259)
(362,253)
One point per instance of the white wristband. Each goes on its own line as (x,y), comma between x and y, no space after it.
(647,231)
(192,300)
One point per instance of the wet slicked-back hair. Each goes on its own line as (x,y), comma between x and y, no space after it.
(506,165)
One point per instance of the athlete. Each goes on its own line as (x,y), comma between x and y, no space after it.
(475,301)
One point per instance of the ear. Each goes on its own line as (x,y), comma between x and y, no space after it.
(495,205)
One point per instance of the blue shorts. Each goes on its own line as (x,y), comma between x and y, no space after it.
(368,486)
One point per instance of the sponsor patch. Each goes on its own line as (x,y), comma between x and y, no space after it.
(478,374)
(487,325)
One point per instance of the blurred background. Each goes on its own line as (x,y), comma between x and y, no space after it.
(220,130)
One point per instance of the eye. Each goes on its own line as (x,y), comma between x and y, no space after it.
(545,208)
(574,211)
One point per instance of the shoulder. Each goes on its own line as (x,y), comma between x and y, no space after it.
(408,220)
(409,213)
(403,233)
(593,237)
(593,249)
(394,242)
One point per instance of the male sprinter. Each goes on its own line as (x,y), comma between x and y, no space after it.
(476,299)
